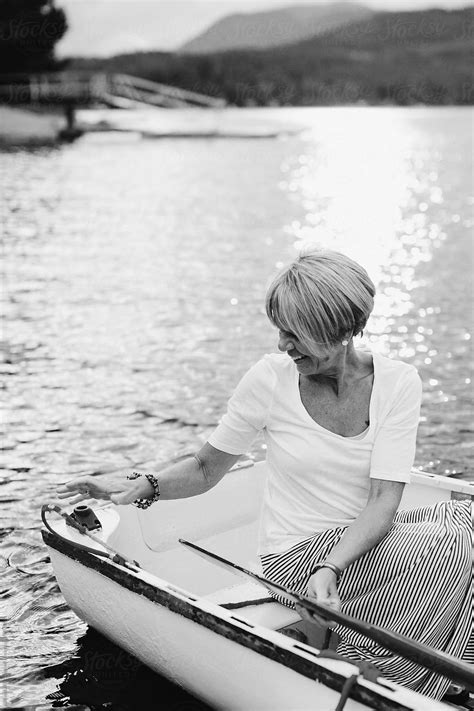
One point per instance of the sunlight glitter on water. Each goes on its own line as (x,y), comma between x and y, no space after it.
(368,203)
(135,277)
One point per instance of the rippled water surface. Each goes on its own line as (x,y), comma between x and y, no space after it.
(132,302)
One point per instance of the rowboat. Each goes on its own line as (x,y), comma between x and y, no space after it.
(179,586)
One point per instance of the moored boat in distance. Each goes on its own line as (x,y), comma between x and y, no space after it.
(221,637)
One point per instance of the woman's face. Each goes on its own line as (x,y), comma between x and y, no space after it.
(323,361)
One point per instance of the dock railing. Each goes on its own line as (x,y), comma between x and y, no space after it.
(98,88)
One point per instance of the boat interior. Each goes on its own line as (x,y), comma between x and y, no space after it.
(225,522)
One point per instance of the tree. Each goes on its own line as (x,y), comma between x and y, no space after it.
(29,31)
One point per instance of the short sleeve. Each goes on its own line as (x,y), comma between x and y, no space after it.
(247,410)
(394,448)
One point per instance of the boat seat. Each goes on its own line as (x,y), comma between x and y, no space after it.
(252,602)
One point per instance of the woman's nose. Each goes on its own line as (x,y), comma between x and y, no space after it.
(285,343)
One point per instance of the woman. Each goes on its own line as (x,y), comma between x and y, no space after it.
(340,427)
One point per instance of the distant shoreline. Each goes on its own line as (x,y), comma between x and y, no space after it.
(22,127)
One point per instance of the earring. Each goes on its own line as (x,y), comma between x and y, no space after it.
(345,342)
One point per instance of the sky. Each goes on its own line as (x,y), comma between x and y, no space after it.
(106,27)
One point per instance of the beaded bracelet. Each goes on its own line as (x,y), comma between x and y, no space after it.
(331,566)
(145,503)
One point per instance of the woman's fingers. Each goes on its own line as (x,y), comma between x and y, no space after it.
(67,495)
(74,496)
(79,497)
(89,488)
(84,487)
(334,603)
(324,590)
(333,600)
(82,484)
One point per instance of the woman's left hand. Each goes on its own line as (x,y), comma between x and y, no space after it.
(322,587)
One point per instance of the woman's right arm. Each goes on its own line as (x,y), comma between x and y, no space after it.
(245,417)
(189,477)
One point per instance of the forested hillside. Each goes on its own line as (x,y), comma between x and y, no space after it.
(396,58)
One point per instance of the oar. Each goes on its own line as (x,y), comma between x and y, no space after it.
(434,660)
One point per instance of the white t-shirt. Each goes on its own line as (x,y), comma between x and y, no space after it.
(318,479)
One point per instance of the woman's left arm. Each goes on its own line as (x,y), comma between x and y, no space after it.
(391,461)
(371,525)
(368,529)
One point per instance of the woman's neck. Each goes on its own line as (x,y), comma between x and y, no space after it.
(350,366)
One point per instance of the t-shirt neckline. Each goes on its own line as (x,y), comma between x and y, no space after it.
(353,438)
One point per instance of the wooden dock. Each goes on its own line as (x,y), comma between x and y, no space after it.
(67,92)
(97,89)
(73,90)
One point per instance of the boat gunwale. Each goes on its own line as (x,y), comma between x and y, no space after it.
(462,486)
(238,630)
(459,489)
(417,476)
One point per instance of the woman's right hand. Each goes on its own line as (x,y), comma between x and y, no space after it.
(123,491)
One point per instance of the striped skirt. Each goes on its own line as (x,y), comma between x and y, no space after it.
(418,581)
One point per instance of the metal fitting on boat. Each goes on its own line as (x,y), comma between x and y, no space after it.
(86,517)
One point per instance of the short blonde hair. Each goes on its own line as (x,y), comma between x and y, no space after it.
(320,297)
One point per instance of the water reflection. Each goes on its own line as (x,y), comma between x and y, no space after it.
(391,194)
(133,301)
(103,676)
(369,188)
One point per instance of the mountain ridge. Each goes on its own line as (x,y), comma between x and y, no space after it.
(418,57)
(273,28)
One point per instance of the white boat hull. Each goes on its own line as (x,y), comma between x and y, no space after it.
(213,668)
(170,620)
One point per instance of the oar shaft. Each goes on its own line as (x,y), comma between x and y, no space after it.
(436,661)
(432,659)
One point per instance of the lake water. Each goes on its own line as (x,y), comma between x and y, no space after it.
(134,278)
